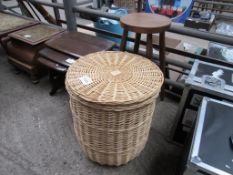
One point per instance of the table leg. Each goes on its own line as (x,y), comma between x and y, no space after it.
(124,40)
(162,59)
(137,42)
(57,80)
(35,78)
(149,47)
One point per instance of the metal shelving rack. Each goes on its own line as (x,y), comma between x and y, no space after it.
(73,7)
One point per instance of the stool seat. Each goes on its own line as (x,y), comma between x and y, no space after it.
(145,23)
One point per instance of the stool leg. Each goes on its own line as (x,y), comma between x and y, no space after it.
(162,59)
(149,47)
(124,40)
(137,42)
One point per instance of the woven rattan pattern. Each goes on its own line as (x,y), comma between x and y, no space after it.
(9,22)
(112,138)
(113,133)
(117,78)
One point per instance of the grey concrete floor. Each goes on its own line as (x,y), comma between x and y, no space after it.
(37,137)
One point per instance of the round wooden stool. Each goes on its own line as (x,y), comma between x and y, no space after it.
(148,24)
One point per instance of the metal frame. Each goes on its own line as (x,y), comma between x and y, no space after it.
(194,158)
(192,88)
(10,8)
(174,29)
(192,80)
(71,8)
(178,134)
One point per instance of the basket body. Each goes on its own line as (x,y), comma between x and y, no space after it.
(111,137)
(113,108)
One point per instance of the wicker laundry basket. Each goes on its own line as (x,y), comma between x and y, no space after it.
(112,99)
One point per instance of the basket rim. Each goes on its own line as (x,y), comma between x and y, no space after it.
(74,94)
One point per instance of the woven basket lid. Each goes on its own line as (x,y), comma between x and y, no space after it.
(113,78)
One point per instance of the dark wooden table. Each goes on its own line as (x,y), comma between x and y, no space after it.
(23,46)
(145,23)
(69,46)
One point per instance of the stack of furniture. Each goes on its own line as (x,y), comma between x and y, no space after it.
(24,44)
(10,23)
(61,52)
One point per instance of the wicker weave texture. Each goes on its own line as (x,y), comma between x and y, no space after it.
(111,138)
(113,130)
